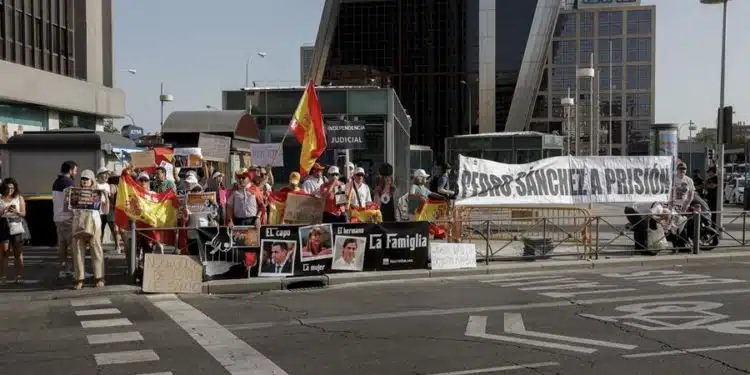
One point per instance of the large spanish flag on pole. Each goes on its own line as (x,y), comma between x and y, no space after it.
(157,210)
(307,127)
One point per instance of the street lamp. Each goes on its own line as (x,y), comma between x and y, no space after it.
(720,125)
(247,67)
(568,103)
(163,98)
(589,73)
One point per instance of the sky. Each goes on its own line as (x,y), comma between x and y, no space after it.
(198,48)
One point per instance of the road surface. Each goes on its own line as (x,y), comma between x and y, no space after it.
(634,320)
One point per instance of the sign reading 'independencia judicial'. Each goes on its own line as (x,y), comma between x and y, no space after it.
(343,135)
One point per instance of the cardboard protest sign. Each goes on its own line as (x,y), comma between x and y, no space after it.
(303,209)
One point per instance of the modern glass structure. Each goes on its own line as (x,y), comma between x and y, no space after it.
(387,124)
(56,64)
(459,66)
(593,27)
(305,63)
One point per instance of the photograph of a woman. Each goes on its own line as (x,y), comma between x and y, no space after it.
(316,242)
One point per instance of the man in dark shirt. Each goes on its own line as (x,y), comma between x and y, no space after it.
(63,216)
(711,184)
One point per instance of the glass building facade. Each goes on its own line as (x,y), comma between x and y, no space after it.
(305,63)
(626,34)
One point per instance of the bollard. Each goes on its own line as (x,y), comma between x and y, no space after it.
(696,232)
(132,250)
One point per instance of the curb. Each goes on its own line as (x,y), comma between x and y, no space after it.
(256,285)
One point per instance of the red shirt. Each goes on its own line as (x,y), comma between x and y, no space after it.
(330,199)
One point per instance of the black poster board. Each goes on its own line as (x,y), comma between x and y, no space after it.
(279,248)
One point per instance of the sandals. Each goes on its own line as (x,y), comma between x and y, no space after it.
(79,285)
(100,283)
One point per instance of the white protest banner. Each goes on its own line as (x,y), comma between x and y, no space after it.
(452,256)
(263,154)
(565,180)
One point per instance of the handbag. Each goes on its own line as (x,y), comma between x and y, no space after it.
(15,225)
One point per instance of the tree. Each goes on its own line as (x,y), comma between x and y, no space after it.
(109,126)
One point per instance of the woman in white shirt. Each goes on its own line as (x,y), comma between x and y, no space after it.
(102,184)
(12,230)
(359,191)
(86,234)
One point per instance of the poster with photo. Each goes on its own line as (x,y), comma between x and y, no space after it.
(397,246)
(244,236)
(278,249)
(349,253)
(316,243)
(84,199)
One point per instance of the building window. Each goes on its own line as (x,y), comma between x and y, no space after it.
(639,49)
(639,77)
(587,24)
(639,22)
(585,50)
(638,105)
(564,52)
(566,25)
(563,78)
(541,107)
(604,50)
(610,23)
(638,132)
(605,83)
(616,105)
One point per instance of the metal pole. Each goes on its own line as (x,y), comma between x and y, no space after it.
(468,89)
(132,261)
(575,115)
(690,145)
(611,87)
(591,111)
(161,96)
(247,72)
(720,130)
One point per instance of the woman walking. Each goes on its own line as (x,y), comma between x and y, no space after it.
(11,228)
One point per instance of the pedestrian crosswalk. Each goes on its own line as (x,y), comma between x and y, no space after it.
(99,318)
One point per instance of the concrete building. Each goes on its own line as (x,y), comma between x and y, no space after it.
(56,64)
(305,63)
(593,27)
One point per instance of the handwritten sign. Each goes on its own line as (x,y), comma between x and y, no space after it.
(166,273)
(142,159)
(199,202)
(188,157)
(215,147)
(267,154)
(245,236)
(452,256)
(84,199)
(303,209)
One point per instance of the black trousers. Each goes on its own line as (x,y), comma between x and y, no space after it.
(328,218)
(244,221)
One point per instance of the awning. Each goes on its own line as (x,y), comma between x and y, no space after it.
(68,139)
(238,123)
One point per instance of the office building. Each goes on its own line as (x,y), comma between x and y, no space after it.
(462,66)
(56,64)
(593,27)
(305,63)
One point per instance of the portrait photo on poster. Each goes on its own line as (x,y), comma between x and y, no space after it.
(349,253)
(316,241)
(277,257)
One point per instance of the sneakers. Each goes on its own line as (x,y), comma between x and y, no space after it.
(65,272)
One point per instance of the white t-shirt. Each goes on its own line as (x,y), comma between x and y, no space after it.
(681,188)
(312,185)
(107,191)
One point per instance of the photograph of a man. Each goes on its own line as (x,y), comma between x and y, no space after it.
(349,253)
(277,258)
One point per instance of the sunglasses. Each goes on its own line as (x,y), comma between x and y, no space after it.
(84,179)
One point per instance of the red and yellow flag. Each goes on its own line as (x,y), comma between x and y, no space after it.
(436,212)
(369,214)
(157,210)
(307,127)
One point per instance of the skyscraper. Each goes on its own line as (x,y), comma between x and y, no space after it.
(56,64)
(305,63)
(441,57)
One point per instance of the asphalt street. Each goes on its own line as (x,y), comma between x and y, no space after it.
(625,320)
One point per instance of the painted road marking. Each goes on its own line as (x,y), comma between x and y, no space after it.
(672,278)
(554,286)
(129,356)
(234,354)
(528,366)
(109,311)
(481,309)
(90,302)
(103,323)
(109,338)
(687,351)
(158,373)
(514,324)
(477,327)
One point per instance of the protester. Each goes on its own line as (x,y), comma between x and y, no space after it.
(243,204)
(102,184)
(385,192)
(683,188)
(162,182)
(216,185)
(294,179)
(443,185)
(419,193)
(62,216)
(314,181)
(333,192)
(359,191)
(11,229)
(149,240)
(86,234)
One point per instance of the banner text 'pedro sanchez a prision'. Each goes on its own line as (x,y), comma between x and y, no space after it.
(565,180)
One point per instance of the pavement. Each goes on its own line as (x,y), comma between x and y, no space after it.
(650,318)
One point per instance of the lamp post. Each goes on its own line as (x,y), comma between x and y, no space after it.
(720,125)
(163,98)
(247,67)
(589,73)
(467,87)
(568,103)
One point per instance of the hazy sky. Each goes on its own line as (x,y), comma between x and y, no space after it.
(198,47)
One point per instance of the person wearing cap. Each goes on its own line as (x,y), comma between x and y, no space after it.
(294,179)
(243,203)
(192,185)
(144,181)
(359,192)
(102,184)
(333,211)
(418,192)
(683,188)
(86,234)
(314,181)
(162,182)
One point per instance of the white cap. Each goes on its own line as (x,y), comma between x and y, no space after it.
(191,179)
(89,174)
(217,174)
(333,170)
(359,170)
(143,176)
(420,173)
(102,170)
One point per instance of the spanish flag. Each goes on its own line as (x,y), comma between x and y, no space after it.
(307,127)
(157,210)
(369,214)
(276,205)
(432,211)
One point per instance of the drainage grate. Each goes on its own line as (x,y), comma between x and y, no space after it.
(305,285)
